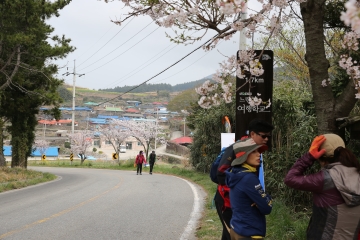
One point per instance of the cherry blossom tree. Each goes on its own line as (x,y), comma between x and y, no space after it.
(145,132)
(41,145)
(192,20)
(352,15)
(351,41)
(115,133)
(80,142)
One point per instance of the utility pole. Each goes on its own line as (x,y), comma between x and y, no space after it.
(45,129)
(73,101)
(184,125)
(156,127)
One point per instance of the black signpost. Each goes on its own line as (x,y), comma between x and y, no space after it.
(254,98)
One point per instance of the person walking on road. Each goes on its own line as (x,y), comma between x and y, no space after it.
(152,159)
(140,159)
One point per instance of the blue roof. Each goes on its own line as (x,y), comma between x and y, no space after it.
(98,121)
(144,120)
(163,112)
(125,119)
(50,152)
(136,103)
(107,116)
(76,109)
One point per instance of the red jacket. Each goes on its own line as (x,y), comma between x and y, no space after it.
(140,159)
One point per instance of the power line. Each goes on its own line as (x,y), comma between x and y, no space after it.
(124,51)
(161,71)
(119,47)
(112,25)
(187,66)
(126,76)
(103,45)
(142,68)
(106,43)
(183,68)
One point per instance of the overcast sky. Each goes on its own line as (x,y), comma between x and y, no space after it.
(110,55)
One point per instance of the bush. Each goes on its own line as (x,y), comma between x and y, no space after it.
(207,127)
(173,160)
(94,149)
(67,145)
(295,127)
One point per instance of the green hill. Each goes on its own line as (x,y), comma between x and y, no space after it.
(159,87)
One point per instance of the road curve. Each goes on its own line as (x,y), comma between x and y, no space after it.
(102,204)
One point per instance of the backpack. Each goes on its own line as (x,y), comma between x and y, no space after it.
(215,165)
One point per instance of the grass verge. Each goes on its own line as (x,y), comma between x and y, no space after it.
(14,178)
(282,223)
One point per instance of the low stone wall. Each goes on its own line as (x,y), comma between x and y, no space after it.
(177,149)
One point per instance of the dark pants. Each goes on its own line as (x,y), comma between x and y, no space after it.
(151,166)
(139,168)
(224,215)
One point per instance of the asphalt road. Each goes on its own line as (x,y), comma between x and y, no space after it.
(102,204)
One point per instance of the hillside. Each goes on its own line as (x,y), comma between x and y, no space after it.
(117,96)
(158,87)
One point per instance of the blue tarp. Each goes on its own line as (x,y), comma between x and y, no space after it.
(50,152)
(7,150)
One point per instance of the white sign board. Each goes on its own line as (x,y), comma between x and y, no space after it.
(227,139)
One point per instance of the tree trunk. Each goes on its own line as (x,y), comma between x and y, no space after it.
(19,141)
(327,108)
(82,158)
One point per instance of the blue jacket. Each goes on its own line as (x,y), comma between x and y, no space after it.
(248,219)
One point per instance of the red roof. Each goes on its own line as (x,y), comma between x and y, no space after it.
(159,103)
(182,140)
(53,122)
(132,110)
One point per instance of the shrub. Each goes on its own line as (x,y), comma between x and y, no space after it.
(295,127)
(173,160)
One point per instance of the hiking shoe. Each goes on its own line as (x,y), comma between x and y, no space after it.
(140,174)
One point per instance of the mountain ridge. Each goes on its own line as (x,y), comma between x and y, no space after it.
(159,87)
